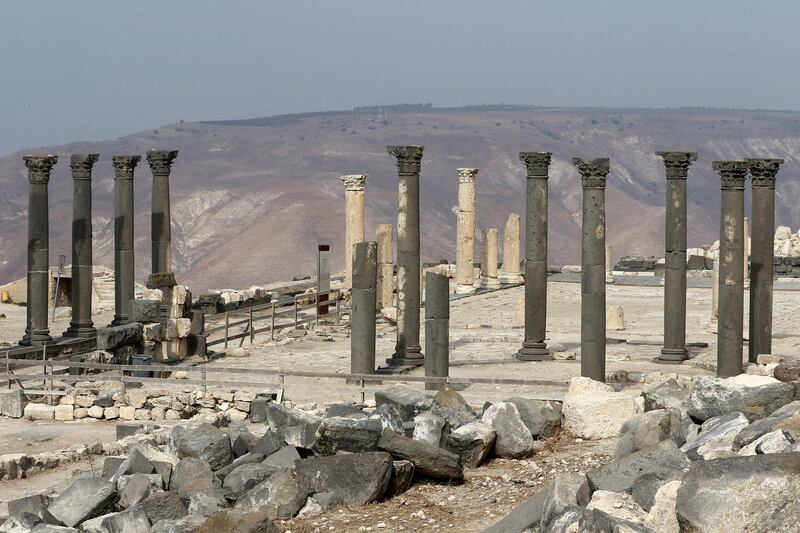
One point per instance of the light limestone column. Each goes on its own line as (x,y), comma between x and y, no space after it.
(354,220)
(465,231)
(715,291)
(384,238)
(511,272)
(489,260)
(609,266)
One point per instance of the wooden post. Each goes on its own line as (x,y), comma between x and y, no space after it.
(252,335)
(272,323)
(338,312)
(295,312)
(227,321)
(316,309)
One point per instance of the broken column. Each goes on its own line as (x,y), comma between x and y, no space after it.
(354,220)
(437,328)
(160,163)
(362,314)
(593,276)
(465,231)
(731,271)
(385,266)
(511,272)
(534,347)
(762,177)
(489,260)
(81,324)
(39,169)
(408,350)
(124,166)
(677,168)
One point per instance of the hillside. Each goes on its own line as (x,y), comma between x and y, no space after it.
(251,199)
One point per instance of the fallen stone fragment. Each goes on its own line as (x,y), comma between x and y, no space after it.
(597,520)
(402,475)
(37,411)
(191,475)
(283,458)
(248,458)
(132,520)
(429,461)
(617,505)
(163,506)
(619,476)
(242,440)
(753,396)
(237,521)
(282,495)
(136,487)
(346,434)
(269,443)
(513,440)
(787,417)
(135,463)
(473,442)
(204,442)
(788,370)
(661,517)
(188,524)
(207,502)
(245,477)
(592,410)
(280,417)
(648,429)
(345,410)
(450,405)
(778,441)
(646,486)
(35,504)
(86,498)
(716,437)
(430,428)
(302,436)
(409,401)
(541,417)
(12,403)
(391,417)
(352,479)
(665,395)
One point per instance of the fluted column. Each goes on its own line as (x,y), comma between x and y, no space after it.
(465,231)
(354,220)
(677,168)
(762,256)
(511,272)
(593,268)
(408,350)
(124,166)
(489,260)
(534,347)
(161,236)
(384,237)
(731,267)
(81,324)
(39,169)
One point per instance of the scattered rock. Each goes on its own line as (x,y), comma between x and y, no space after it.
(245,477)
(347,434)
(207,502)
(191,475)
(345,410)
(778,441)
(204,442)
(473,442)
(269,443)
(716,437)
(787,417)
(351,479)
(237,521)
(12,403)
(646,486)
(391,417)
(615,318)
(163,506)
(188,524)
(286,457)
(450,405)
(430,461)
(592,410)
(282,495)
(787,370)
(402,475)
(513,440)
(542,418)
(665,395)
(648,429)
(754,396)
(135,488)
(409,401)
(86,498)
(620,506)
(661,517)
(429,428)
(619,476)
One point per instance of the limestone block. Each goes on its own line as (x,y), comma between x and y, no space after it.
(79,412)
(519,314)
(127,412)
(12,403)
(95,411)
(615,318)
(514,439)
(37,411)
(63,412)
(755,396)
(662,516)
(783,233)
(592,410)
(142,414)
(175,349)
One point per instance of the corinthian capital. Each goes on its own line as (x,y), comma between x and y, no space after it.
(39,167)
(124,165)
(677,163)
(763,171)
(536,163)
(732,173)
(467,175)
(81,165)
(593,171)
(161,161)
(354,182)
(409,158)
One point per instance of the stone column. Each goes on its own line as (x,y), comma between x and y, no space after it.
(534,347)
(124,166)
(511,272)
(465,231)
(609,265)
(715,291)
(160,164)
(408,350)
(385,265)
(39,169)
(677,167)
(593,267)
(354,220)
(81,324)
(731,272)
(746,254)
(363,298)
(437,328)
(489,260)
(762,172)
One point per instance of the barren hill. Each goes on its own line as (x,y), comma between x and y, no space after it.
(251,199)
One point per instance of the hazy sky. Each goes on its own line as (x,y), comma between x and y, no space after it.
(94,69)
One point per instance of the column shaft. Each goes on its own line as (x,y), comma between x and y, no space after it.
(465,231)
(124,166)
(362,315)
(385,265)
(161,235)
(511,272)
(437,328)
(489,260)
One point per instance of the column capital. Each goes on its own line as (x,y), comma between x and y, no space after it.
(763,171)
(124,165)
(161,161)
(593,171)
(732,173)
(409,158)
(39,167)
(81,165)
(354,182)
(536,163)
(677,163)
(467,175)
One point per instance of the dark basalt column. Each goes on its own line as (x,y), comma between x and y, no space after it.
(124,166)
(593,267)
(437,328)
(762,255)
(731,267)
(81,324)
(160,164)
(39,169)
(534,347)
(677,167)
(363,300)
(408,350)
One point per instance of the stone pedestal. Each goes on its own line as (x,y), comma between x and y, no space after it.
(465,231)
(534,347)
(762,172)
(408,350)
(81,324)
(489,260)
(677,168)
(511,272)
(124,166)
(39,169)
(362,315)
(160,163)
(384,235)
(731,271)
(354,220)
(593,276)
(437,328)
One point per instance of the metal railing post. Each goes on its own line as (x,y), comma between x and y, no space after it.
(227,322)
(272,323)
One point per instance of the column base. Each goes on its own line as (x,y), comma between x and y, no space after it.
(81,331)
(489,283)
(161,280)
(673,355)
(412,357)
(534,351)
(38,338)
(119,321)
(512,279)
(465,289)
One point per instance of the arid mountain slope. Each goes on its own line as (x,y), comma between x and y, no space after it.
(251,199)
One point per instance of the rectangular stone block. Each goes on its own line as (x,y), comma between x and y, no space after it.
(63,412)
(38,411)
(12,403)
(146,311)
(112,337)
(258,410)
(153,332)
(175,349)
(125,429)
